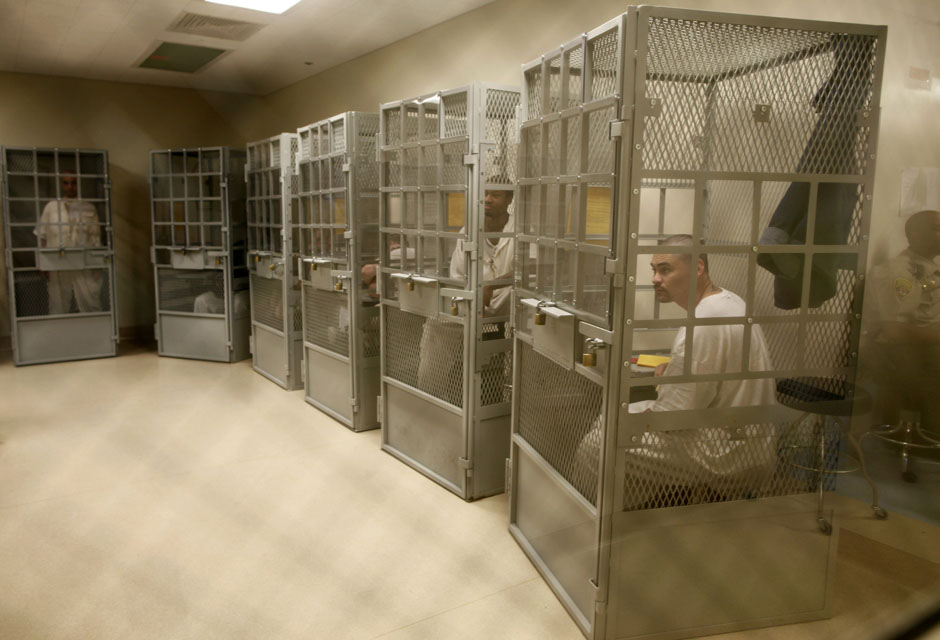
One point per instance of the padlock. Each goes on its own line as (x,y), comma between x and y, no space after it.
(62,253)
(539,317)
(453,308)
(338,286)
(218,261)
(589,359)
(411,285)
(257,258)
(271,266)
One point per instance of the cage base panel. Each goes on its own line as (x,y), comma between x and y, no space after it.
(196,337)
(273,359)
(559,531)
(60,339)
(713,568)
(328,384)
(426,434)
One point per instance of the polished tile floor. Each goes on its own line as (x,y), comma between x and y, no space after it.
(147,497)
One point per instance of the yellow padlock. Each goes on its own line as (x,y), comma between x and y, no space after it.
(338,286)
(589,359)
(411,285)
(453,308)
(257,258)
(313,266)
(540,318)
(271,266)
(218,260)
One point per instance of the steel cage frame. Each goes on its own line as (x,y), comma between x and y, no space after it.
(601,528)
(338,163)
(210,199)
(445,133)
(44,336)
(276,324)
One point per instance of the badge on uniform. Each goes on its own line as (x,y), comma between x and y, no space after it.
(902,287)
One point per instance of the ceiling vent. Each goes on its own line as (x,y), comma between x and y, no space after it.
(173,56)
(213,27)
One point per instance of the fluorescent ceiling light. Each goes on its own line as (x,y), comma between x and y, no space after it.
(268,6)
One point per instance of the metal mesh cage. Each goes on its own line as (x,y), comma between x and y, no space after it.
(327,319)
(425,353)
(191,291)
(560,414)
(267,302)
(372,336)
(753,98)
(38,293)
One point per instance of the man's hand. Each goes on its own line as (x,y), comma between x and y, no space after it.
(660,369)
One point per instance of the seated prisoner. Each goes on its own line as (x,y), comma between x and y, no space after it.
(441,365)
(713,462)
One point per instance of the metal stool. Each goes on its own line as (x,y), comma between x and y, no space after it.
(907,433)
(809,396)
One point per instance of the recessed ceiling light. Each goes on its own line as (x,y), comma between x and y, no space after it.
(268,6)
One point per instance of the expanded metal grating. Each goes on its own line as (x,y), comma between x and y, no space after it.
(712,79)
(191,291)
(267,302)
(38,293)
(327,319)
(560,414)
(425,353)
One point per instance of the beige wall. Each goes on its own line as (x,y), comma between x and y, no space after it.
(491,43)
(127,120)
(488,44)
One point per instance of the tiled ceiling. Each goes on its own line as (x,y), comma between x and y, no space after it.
(108,39)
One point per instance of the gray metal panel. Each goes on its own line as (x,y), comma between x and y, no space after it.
(58,242)
(426,435)
(330,391)
(62,338)
(742,540)
(192,336)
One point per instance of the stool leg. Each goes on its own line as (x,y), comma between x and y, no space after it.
(906,473)
(821,521)
(878,509)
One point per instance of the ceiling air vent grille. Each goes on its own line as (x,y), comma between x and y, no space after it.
(213,27)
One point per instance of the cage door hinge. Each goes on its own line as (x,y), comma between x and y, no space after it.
(616,129)
(153,255)
(464,463)
(379,410)
(346,167)
(354,404)
(469,247)
(471,159)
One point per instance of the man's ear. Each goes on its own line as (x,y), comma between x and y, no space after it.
(701,267)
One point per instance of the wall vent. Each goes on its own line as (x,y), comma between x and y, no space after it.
(213,27)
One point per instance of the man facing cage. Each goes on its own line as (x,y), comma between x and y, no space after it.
(670,468)
(69,223)
(441,346)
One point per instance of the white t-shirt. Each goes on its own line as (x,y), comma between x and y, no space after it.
(715,349)
(69,223)
(497,262)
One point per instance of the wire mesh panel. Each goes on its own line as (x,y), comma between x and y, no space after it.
(337,232)
(199,252)
(273,251)
(57,222)
(741,175)
(446,202)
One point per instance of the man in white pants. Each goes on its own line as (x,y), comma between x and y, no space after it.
(710,463)
(441,346)
(68,223)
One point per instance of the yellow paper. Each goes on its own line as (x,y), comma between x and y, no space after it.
(647,360)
